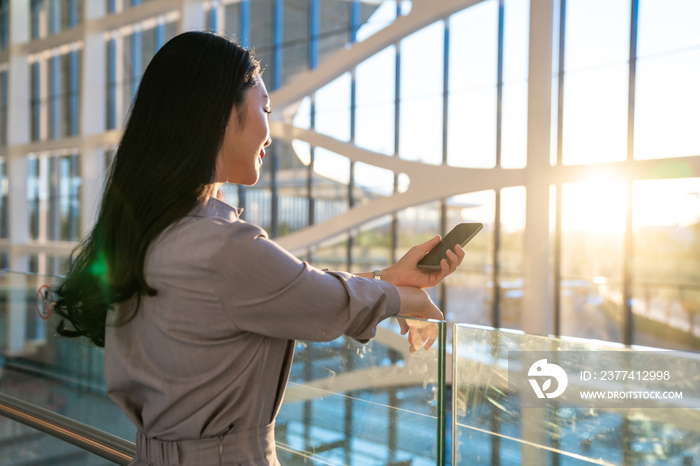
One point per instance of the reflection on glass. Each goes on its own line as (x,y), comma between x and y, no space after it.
(666,297)
(511,255)
(373,404)
(420,132)
(593,225)
(371,246)
(470,288)
(472,86)
(375,106)
(333,108)
(490,427)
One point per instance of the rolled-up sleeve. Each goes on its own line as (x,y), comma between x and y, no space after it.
(264,289)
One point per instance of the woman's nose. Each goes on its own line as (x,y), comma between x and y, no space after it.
(268,142)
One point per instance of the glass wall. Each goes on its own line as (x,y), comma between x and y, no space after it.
(53,191)
(55,93)
(593,225)
(666,294)
(4,185)
(53,16)
(596,81)
(469,290)
(668,68)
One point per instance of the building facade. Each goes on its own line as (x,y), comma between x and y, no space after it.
(566,127)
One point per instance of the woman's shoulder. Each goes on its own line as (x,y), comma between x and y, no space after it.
(206,229)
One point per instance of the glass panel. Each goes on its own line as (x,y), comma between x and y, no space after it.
(593,225)
(491,427)
(375,80)
(330,184)
(666,295)
(302,118)
(261,37)
(596,86)
(511,255)
(334,29)
(232,21)
(333,108)
(515,72)
(59,374)
(372,182)
(472,86)
(420,131)
(378,19)
(331,254)
(373,404)
(4,189)
(34,195)
(469,290)
(417,225)
(371,246)
(295,49)
(514,129)
(292,190)
(23,445)
(668,68)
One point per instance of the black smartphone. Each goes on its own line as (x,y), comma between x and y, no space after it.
(461,234)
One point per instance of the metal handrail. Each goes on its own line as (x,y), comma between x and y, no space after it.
(96,441)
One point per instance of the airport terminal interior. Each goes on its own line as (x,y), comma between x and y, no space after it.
(568,128)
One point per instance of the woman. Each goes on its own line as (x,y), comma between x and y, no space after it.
(206,308)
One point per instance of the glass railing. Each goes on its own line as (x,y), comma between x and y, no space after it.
(23,445)
(346,402)
(604,403)
(378,403)
(371,404)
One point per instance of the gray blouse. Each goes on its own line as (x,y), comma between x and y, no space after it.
(202,367)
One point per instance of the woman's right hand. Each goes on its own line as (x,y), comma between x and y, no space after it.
(415,302)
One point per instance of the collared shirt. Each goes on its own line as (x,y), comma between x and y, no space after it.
(209,355)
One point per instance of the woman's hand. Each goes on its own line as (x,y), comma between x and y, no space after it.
(406,272)
(416,303)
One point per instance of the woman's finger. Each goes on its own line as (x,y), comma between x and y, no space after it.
(459,250)
(454,260)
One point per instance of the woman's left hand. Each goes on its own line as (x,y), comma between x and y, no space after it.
(406,272)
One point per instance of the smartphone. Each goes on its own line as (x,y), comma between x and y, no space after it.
(461,234)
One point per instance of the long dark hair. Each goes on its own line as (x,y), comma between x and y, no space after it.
(164,163)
